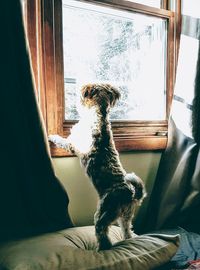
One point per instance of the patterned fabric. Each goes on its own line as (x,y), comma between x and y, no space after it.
(188,253)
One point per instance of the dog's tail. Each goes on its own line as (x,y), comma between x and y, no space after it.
(133,180)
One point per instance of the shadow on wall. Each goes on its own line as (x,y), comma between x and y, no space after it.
(82,194)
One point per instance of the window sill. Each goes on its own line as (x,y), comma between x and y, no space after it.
(128,136)
(148,143)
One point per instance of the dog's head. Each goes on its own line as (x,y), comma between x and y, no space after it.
(101,95)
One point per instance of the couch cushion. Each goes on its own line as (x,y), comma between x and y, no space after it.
(75,249)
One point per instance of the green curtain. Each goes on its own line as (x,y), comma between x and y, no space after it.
(175,200)
(32,200)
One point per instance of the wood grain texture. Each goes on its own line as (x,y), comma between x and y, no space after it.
(45,37)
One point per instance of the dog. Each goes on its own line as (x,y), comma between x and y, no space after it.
(119,192)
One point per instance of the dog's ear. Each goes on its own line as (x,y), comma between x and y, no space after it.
(115,95)
(93,91)
(86,93)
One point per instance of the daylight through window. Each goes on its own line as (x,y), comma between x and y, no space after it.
(125,49)
(153,3)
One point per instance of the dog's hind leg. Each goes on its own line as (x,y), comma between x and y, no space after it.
(125,221)
(102,220)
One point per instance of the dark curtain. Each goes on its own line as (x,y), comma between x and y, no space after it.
(32,200)
(175,200)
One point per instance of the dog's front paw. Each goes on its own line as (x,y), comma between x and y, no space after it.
(59,141)
(54,138)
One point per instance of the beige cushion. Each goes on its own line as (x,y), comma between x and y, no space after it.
(75,249)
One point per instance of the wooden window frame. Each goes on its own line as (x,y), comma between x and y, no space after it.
(44,30)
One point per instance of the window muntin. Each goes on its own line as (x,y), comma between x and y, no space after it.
(126,49)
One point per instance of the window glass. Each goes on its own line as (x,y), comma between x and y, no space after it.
(152,3)
(191,8)
(125,49)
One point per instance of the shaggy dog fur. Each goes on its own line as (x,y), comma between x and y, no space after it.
(119,192)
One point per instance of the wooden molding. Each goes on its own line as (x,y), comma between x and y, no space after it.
(131,6)
(44,20)
(128,136)
(124,145)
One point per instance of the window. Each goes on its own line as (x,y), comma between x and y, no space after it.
(117,47)
(125,43)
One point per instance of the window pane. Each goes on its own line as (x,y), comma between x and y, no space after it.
(191,8)
(152,3)
(122,48)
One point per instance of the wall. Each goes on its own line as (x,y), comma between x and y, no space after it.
(82,195)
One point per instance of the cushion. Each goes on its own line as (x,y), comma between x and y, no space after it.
(75,249)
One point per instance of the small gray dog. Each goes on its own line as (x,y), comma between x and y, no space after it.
(119,192)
